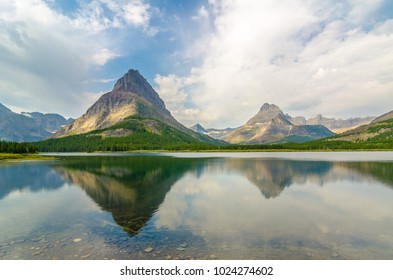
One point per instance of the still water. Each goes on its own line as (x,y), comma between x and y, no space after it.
(199,206)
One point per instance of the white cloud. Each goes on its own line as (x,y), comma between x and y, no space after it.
(307,57)
(136,13)
(99,15)
(102,56)
(171,90)
(203,14)
(46,56)
(361,10)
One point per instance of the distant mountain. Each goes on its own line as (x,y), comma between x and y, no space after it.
(378,133)
(49,122)
(215,133)
(133,106)
(333,124)
(271,125)
(28,127)
(337,125)
(198,128)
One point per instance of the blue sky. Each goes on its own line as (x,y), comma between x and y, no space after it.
(214,62)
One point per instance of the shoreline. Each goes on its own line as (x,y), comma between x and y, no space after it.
(8,157)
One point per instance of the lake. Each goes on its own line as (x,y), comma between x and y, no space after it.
(199,206)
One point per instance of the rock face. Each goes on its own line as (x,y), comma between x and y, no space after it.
(339,125)
(266,114)
(378,131)
(28,127)
(134,82)
(132,95)
(384,117)
(271,125)
(49,122)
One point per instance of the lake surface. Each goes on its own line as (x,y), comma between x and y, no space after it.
(199,206)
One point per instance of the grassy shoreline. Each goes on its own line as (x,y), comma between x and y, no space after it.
(224,151)
(23,157)
(8,157)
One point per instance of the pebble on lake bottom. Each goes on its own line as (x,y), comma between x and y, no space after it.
(77,240)
(148,249)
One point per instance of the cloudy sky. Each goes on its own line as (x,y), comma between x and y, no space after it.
(214,62)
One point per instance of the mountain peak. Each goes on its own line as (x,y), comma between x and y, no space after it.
(269,108)
(271,125)
(132,95)
(135,83)
(198,128)
(266,114)
(131,81)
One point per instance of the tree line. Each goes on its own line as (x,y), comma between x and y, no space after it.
(17,148)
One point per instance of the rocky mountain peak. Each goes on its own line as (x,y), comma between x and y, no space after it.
(269,108)
(135,83)
(132,95)
(198,128)
(266,114)
(271,125)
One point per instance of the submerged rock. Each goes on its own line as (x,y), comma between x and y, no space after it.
(148,249)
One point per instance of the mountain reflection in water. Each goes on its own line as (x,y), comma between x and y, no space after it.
(240,207)
(133,188)
(130,188)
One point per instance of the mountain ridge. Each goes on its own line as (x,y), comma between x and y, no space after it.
(270,125)
(272,111)
(28,127)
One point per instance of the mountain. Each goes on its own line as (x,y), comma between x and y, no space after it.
(384,117)
(271,125)
(215,133)
(377,134)
(337,125)
(132,111)
(49,122)
(28,127)
(131,95)
(198,128)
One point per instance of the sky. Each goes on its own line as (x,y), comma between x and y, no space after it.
(213,62)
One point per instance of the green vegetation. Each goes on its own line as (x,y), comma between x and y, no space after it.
(17,148)
(17,157)
(145,134)
(19,151)
(134,133)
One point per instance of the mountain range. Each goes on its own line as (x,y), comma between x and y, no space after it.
(28,127)
(333,124)
(377,133)
(271,125)
(215,133)
(133,116)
